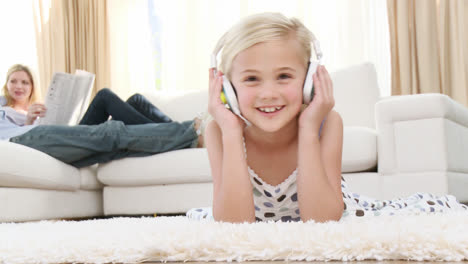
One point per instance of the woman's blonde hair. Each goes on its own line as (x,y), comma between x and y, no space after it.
(11,70)
(260,28)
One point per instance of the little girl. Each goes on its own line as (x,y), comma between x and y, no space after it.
(286,165)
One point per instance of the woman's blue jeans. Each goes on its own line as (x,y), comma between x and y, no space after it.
(136,110)
(85,145)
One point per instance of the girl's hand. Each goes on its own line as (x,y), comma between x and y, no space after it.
(227,120)
(34,111)
(322,103)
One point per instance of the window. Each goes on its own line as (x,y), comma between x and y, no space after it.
(18,43)
(185,32)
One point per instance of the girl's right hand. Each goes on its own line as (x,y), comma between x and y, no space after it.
(227,120)
(34,111)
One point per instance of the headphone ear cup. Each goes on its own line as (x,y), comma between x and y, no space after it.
(230,96)
(308,90)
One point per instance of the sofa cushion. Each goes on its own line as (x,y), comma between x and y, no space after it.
(28,204)
(89,181)
(192,165)
(173,167)
(359,149)
(29,168)
(161,199)
(180,106)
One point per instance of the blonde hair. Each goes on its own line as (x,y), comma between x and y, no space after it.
(260,28)
(18,68)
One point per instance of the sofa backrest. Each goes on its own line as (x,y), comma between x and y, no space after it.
(355,89)
(180,106)
(356,92)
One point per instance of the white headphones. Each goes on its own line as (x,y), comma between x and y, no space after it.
(229,98)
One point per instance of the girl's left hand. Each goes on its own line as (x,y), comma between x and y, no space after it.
(322,102)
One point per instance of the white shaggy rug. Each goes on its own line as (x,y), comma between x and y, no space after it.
(423,237)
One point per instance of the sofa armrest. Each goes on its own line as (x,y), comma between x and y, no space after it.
(421,133)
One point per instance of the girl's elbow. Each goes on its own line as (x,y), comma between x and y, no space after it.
(233,220)
(229,217)
(333,214)
(338,213)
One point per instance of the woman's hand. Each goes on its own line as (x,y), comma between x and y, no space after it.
(227,120)
(322,103)
(34,111)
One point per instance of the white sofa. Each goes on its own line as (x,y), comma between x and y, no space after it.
(393,146)
(36,186)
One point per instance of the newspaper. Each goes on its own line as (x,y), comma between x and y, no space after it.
(67,98)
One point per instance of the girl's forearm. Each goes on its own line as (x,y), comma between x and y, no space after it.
(317,198)
(234,198)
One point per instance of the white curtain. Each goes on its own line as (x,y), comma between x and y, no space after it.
(18,43)
(350,32)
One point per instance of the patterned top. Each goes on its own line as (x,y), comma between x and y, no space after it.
(276,203)
(273,203)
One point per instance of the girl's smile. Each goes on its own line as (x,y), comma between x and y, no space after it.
(270,109)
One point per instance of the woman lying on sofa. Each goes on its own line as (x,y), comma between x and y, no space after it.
(137,128)
(20,102)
